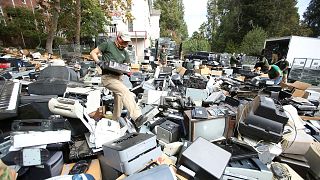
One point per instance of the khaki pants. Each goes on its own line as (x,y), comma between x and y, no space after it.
(122,97)
(285,78)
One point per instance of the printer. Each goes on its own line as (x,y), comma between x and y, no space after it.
(262,119)
(100,132)
(89,96)
(131,152)
(251,168)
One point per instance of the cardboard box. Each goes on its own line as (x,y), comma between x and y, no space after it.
(298,93)
(241,78)
(94,169)
(216,73)
(181,70)
(297,87)
(134,70)
(264,75)
(204,71)
(135,66)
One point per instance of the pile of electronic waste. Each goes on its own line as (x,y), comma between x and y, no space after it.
(252,128)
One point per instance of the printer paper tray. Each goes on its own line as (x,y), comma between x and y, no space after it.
(139,163)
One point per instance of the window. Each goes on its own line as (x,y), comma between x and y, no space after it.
(113,28)
(2,19)
(111,7)
(101,2)
(1,12)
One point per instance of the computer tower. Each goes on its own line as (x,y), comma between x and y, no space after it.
(168,132)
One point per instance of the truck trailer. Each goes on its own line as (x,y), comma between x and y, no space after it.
(303,54)
(297,49)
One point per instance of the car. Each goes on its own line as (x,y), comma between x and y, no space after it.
(202,55)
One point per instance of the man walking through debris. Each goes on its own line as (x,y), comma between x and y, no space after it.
(115,51)
(163,56)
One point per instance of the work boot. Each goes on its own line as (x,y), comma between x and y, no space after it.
(140,121)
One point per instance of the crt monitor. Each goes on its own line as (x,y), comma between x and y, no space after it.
(209,129)
(212,128)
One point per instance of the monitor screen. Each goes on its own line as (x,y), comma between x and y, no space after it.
(210,129)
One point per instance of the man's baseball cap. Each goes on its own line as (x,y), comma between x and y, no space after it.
(125,36)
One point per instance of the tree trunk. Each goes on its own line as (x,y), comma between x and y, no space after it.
(78,16)
(53,26)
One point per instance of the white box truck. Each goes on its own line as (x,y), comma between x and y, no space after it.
(303,54)
(297,49)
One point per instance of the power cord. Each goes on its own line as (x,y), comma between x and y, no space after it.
(295,129)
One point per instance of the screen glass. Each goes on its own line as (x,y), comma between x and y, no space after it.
(209,129)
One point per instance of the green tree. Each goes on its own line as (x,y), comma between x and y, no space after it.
(238,17)
(253,42)
(312,17)
(231,47)
(53,7)
(197,42)
(172,24)
(212,23)
(78,21)
(92,19)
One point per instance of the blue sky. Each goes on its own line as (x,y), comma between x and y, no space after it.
(195,12)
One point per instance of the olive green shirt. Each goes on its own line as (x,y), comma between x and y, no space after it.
(233,60)
(163,56)
(283,65)
(110,52)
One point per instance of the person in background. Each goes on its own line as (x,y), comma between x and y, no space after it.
(233,60)
(162,58)
(283,64)
(115,51)
(275,74)
(262,64)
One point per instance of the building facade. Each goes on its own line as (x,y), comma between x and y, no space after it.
(15,3)
(144,28)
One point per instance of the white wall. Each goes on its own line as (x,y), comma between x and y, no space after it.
(155,25)
(303,47)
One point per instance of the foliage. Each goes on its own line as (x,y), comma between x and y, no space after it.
(196,43)
(231,47)
(237,17)
(92,18)
(22,27)
(212,24)
(312,17)
(253,42)
(172,24)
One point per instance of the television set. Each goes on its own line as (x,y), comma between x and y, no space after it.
(212,128)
